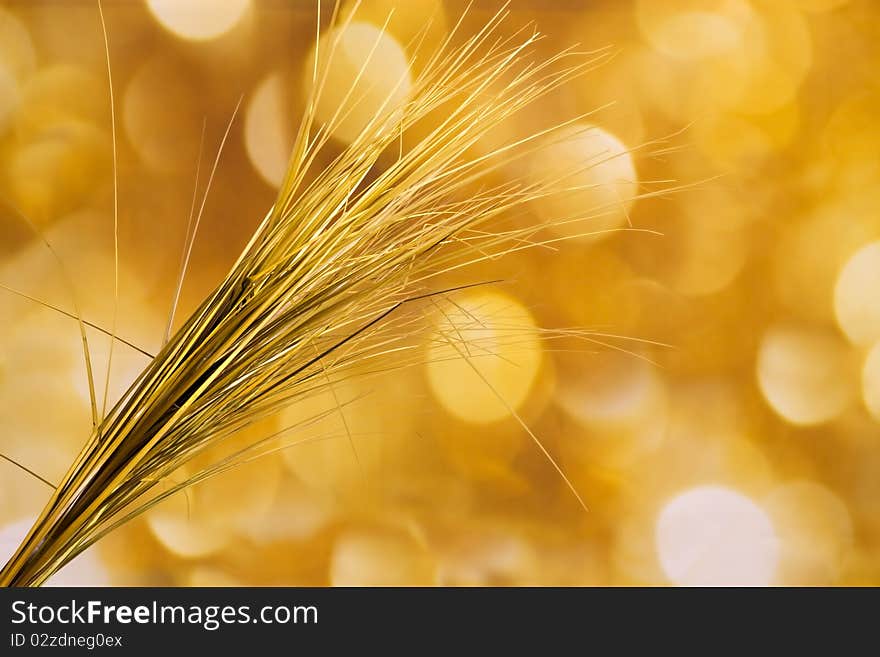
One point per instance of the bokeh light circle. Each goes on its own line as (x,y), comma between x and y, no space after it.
(857,296)
(84,570)
(198,20)
(381,557)
(363,79)
(815,532)
(484,357)
(805,375)
(871,381)
(716,536)
(591,179)
(693,30)
(268,129)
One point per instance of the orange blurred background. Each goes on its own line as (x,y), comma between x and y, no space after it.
(725,431)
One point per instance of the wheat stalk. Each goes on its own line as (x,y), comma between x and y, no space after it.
(322,287)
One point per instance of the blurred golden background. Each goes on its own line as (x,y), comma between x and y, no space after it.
(732,437)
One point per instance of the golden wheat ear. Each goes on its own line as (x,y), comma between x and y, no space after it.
(325,283)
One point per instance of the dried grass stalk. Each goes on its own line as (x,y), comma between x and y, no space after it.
(322,285)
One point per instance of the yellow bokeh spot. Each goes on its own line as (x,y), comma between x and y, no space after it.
(751,56)
(17,54)
(487,557)
(38,357)
(362,78)
(808,257)
(61,150)
(174,528)
(484,356)
(682,90)
(685,29)
(612,388)
(205,518)
(269,129)
(815,533)
(871,381)
(611,88)
(716,536)
(381,557)
(621,401)
(857,296)
(60,94)
(198,20)
(339,439)
(55,174)
(418,25)
(778,53)
(805,375)
(591,181)
(85,570)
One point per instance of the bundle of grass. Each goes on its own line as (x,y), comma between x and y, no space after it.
(330,281)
